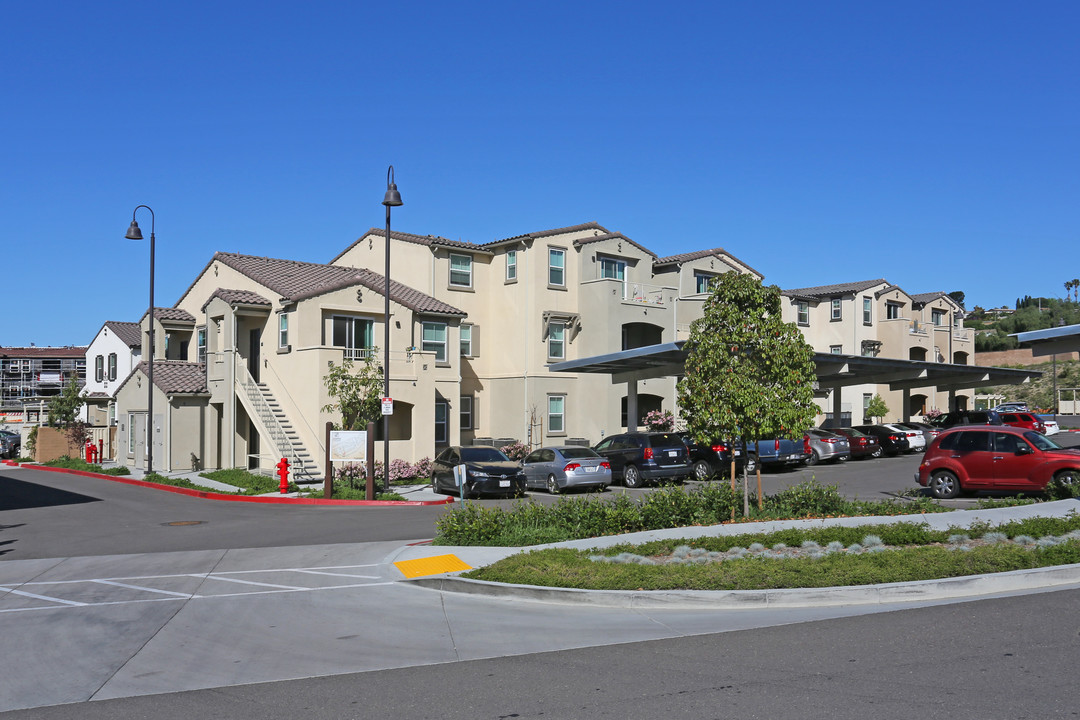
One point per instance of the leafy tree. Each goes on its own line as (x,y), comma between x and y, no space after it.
(958,296)
(748,373)
(357,395)
(877,407)
(64,407)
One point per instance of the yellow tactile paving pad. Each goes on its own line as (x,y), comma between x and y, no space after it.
(434,565)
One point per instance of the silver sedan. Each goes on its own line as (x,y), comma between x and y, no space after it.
(558,468)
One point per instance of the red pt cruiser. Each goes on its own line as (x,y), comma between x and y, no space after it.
(995,457)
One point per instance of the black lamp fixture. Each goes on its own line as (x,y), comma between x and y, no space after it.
(134,233)
(391,199)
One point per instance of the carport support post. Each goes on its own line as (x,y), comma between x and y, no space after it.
(631,406)
(906,414)
(952,401)
(328,474)
(836,405)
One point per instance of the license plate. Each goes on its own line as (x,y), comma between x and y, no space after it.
(504,483)
(591,469)
(673,453)
(738,453)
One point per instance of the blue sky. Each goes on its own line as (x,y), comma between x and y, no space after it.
(933,144)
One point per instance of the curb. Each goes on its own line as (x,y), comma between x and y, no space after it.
(210,495)
(884,594)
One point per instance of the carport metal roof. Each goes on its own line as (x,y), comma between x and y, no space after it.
(1065,339)
(668,359)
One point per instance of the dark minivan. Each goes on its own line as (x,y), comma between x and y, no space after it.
(640,457)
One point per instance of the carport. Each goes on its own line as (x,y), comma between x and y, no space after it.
(1063,339)
(833,372)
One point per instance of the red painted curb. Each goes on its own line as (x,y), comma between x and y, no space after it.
(207,495)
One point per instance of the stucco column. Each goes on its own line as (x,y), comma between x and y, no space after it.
(836,405)
(631,406)
(906,400)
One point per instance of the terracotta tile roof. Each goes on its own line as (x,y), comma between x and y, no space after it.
(238,297)
(174,376)
(613,236)
(294,280)
(129,333)
(923,298)
(68,351)
(429,240)
(557,231)
(823,291)
(171,313)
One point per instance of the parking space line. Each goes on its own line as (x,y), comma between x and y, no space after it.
(321,572)
(146,589)
(209,576)
(46,598)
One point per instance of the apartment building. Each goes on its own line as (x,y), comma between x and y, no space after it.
(875,318)
(111,356)
(35,374)
(240,359)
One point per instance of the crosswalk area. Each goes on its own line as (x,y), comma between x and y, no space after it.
(88,592)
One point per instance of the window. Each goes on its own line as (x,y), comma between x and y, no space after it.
(556,340)
(556,267)
(466,412)
(937,316)
(802,309)
(836,349)
(354,335)
(99,368)
(112,414)
(442,430)
(614,269)
(892,311)
(200,345)
(556,413)
(703,283)
(511,265)
(435,340)
(460,270)
(112,367)
(836,313)
(867,311)
(131,433)
(866,398)
(466,341)
(283,331)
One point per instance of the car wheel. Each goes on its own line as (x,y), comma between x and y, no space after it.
(814,458)
(632,477)
(876,453)
(702,471)
(435,484)
(840,459)
(1067,477)
(552,485)
(944,485)
(751,464)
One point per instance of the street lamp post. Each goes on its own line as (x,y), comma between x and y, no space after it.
(134,233)
(391,199)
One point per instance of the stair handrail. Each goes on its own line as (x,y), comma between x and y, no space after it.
(318,438)
(278,436)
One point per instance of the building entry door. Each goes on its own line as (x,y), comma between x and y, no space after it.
(254,345)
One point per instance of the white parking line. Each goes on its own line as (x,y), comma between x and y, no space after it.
(43,597)
(320,572)
(146,589)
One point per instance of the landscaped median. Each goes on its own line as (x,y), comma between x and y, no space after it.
(183,486)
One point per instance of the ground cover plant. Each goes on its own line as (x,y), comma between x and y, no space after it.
(573,518)
(71,463)
(818,557)
(249,483)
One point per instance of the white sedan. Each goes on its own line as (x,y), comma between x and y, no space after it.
(916,440)
(1052,427)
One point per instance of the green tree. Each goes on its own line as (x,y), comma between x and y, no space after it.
(877,407)
(356,394)
(64,408)
(958,296)
(748,373)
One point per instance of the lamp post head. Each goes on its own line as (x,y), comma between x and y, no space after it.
(392,197)
(133,232)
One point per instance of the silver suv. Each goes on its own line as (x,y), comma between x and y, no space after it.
(10,444)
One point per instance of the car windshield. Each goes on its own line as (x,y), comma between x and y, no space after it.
(1041,441)
(482,454)
(577,453)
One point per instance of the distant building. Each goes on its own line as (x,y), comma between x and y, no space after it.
(29,374)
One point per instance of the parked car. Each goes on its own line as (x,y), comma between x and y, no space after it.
(783,452)
(860,444)
(916,438)
(1024,420)
(929,431)
(828,446)
(995,458)
(563,467)
(966,417)
(1052,427)
(1018,406)
(715,458)
(10,444)
(487,472)
(893,442)
(640,457)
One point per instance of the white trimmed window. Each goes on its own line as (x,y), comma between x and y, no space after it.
(511,264)
(836,349)
(466,341)
(466,412)
(112,367)
(200,345)
(460,270)
(703,283)
(556,413)
(556,267)
(283,331)
(99,368)
(442,425)
(435,340)
(892,311)
(802,309)
(131,433)
(867,311)
(937,316)
(353,335)
(556,340)
(837,314)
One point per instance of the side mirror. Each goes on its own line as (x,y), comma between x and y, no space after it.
(1024,449)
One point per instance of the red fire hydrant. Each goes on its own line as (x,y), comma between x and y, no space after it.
(89,451)
(283,473)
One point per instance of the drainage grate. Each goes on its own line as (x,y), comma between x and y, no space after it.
(181,523)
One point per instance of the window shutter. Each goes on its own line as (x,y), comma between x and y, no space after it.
(475,341)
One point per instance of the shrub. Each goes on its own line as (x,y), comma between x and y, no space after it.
(515,451)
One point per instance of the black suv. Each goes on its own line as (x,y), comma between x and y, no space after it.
(967,417)
(9,444)
(640,457)
(715,457)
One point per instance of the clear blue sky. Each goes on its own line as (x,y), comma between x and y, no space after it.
(931,143)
